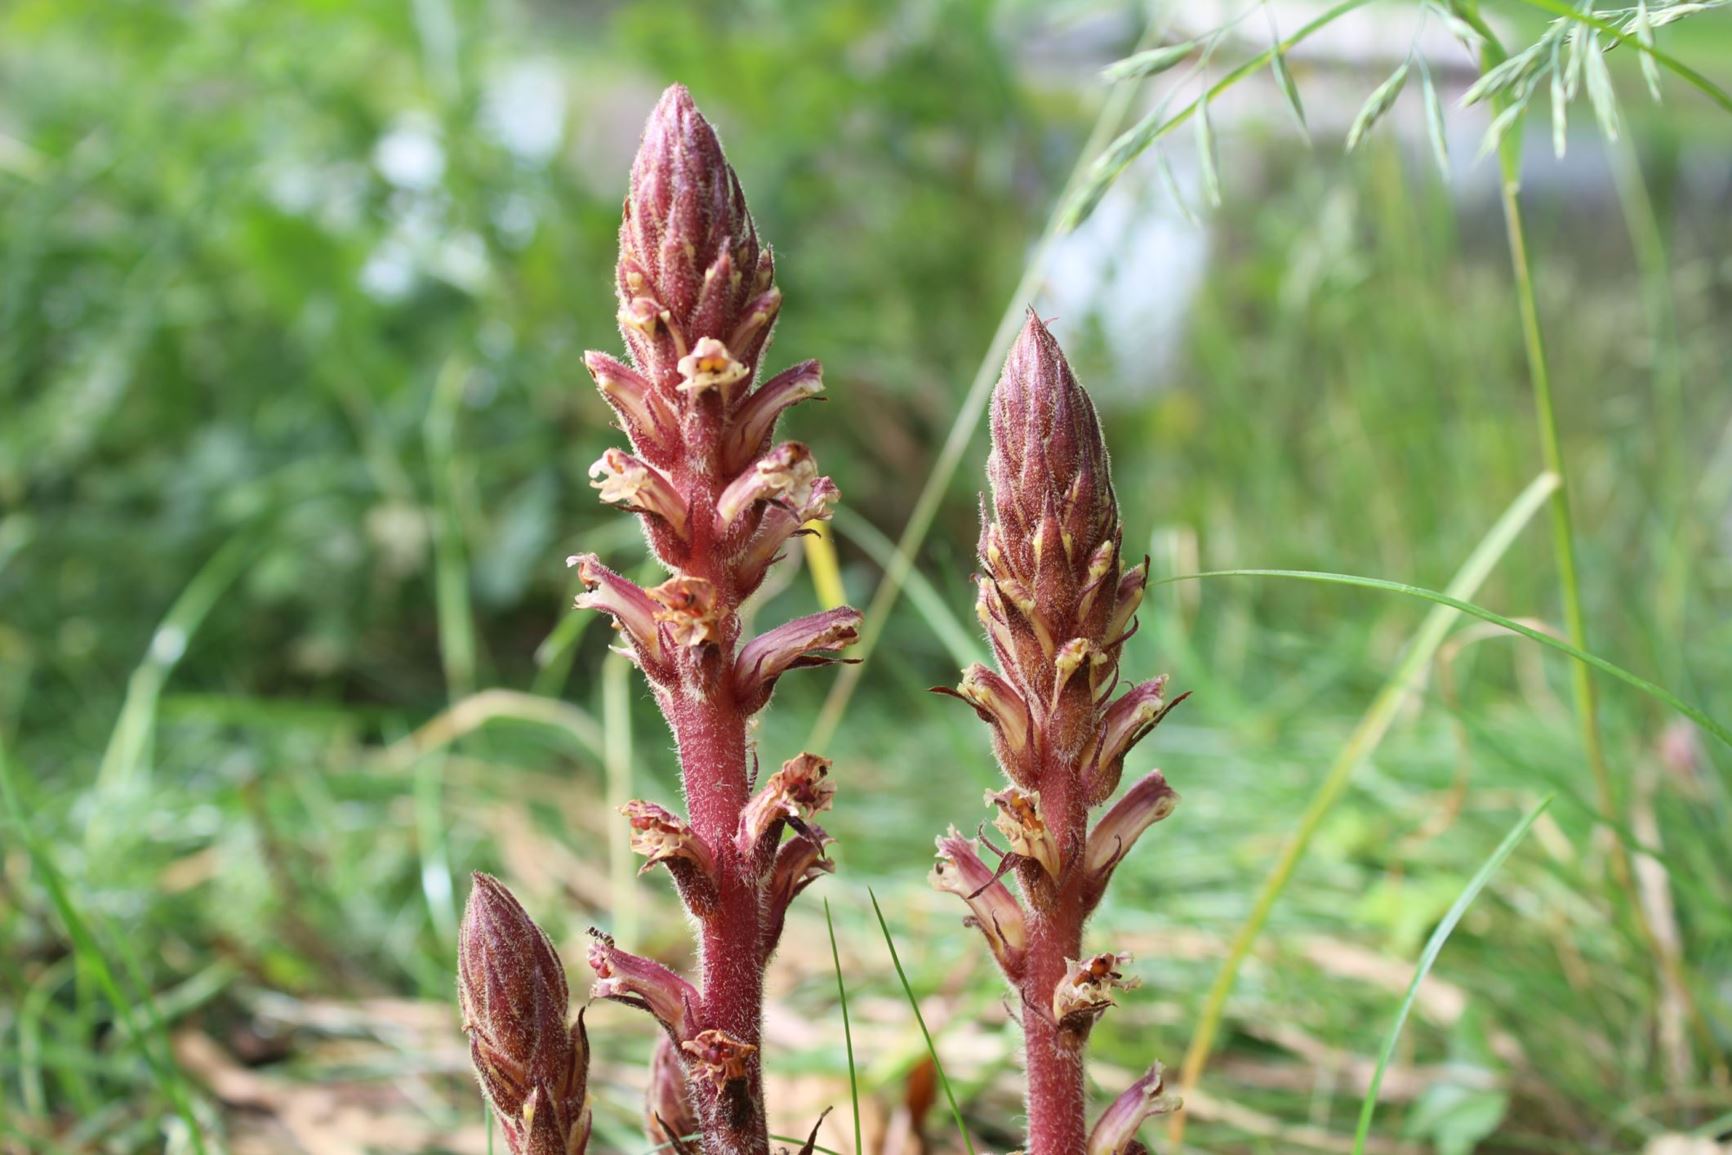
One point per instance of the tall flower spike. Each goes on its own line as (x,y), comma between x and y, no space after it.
(532,1066)
(718,498)
(1057,605)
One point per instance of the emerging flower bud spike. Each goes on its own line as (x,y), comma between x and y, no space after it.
(636,486)
(718,1056)
(1085,992)
(640,982)
(689,610)
(1020,821)
(768,656)
(514,999)
(1116,1132)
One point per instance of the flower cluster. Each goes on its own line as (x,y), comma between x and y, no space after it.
(533,1067)
(719,499)
(1057,603)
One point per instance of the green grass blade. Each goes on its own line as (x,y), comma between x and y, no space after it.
(457,641)
(1658,693)
(1366,737)
(1427,957)
(932,1051)
(132,730)
(94,962)
(847,1029)
(962,643)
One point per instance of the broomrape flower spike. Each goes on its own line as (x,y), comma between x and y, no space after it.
(532,1066)
(718,500)
(1057,604)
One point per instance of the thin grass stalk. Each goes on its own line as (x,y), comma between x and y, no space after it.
(1582,690)
(1361,744)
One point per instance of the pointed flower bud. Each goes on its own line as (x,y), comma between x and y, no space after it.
(1125,723)
(688,248)
(633,609)
(1085,992)
(647,417)
(1020,820)
(689,609)
(669,1118)
(640,982)
(1116,1132)
(1143,805)
(1048,454)
(801,642)
(514,999)
(800,789)
(719,1056)
(960,871)
(799,863)
(749,430)
(639,487)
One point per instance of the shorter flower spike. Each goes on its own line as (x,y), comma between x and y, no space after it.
(532,1066)
(1085,992)
(640,982)
(718,1056)
(771,654)
(960,871)
(1116,1131)
(669,1118)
